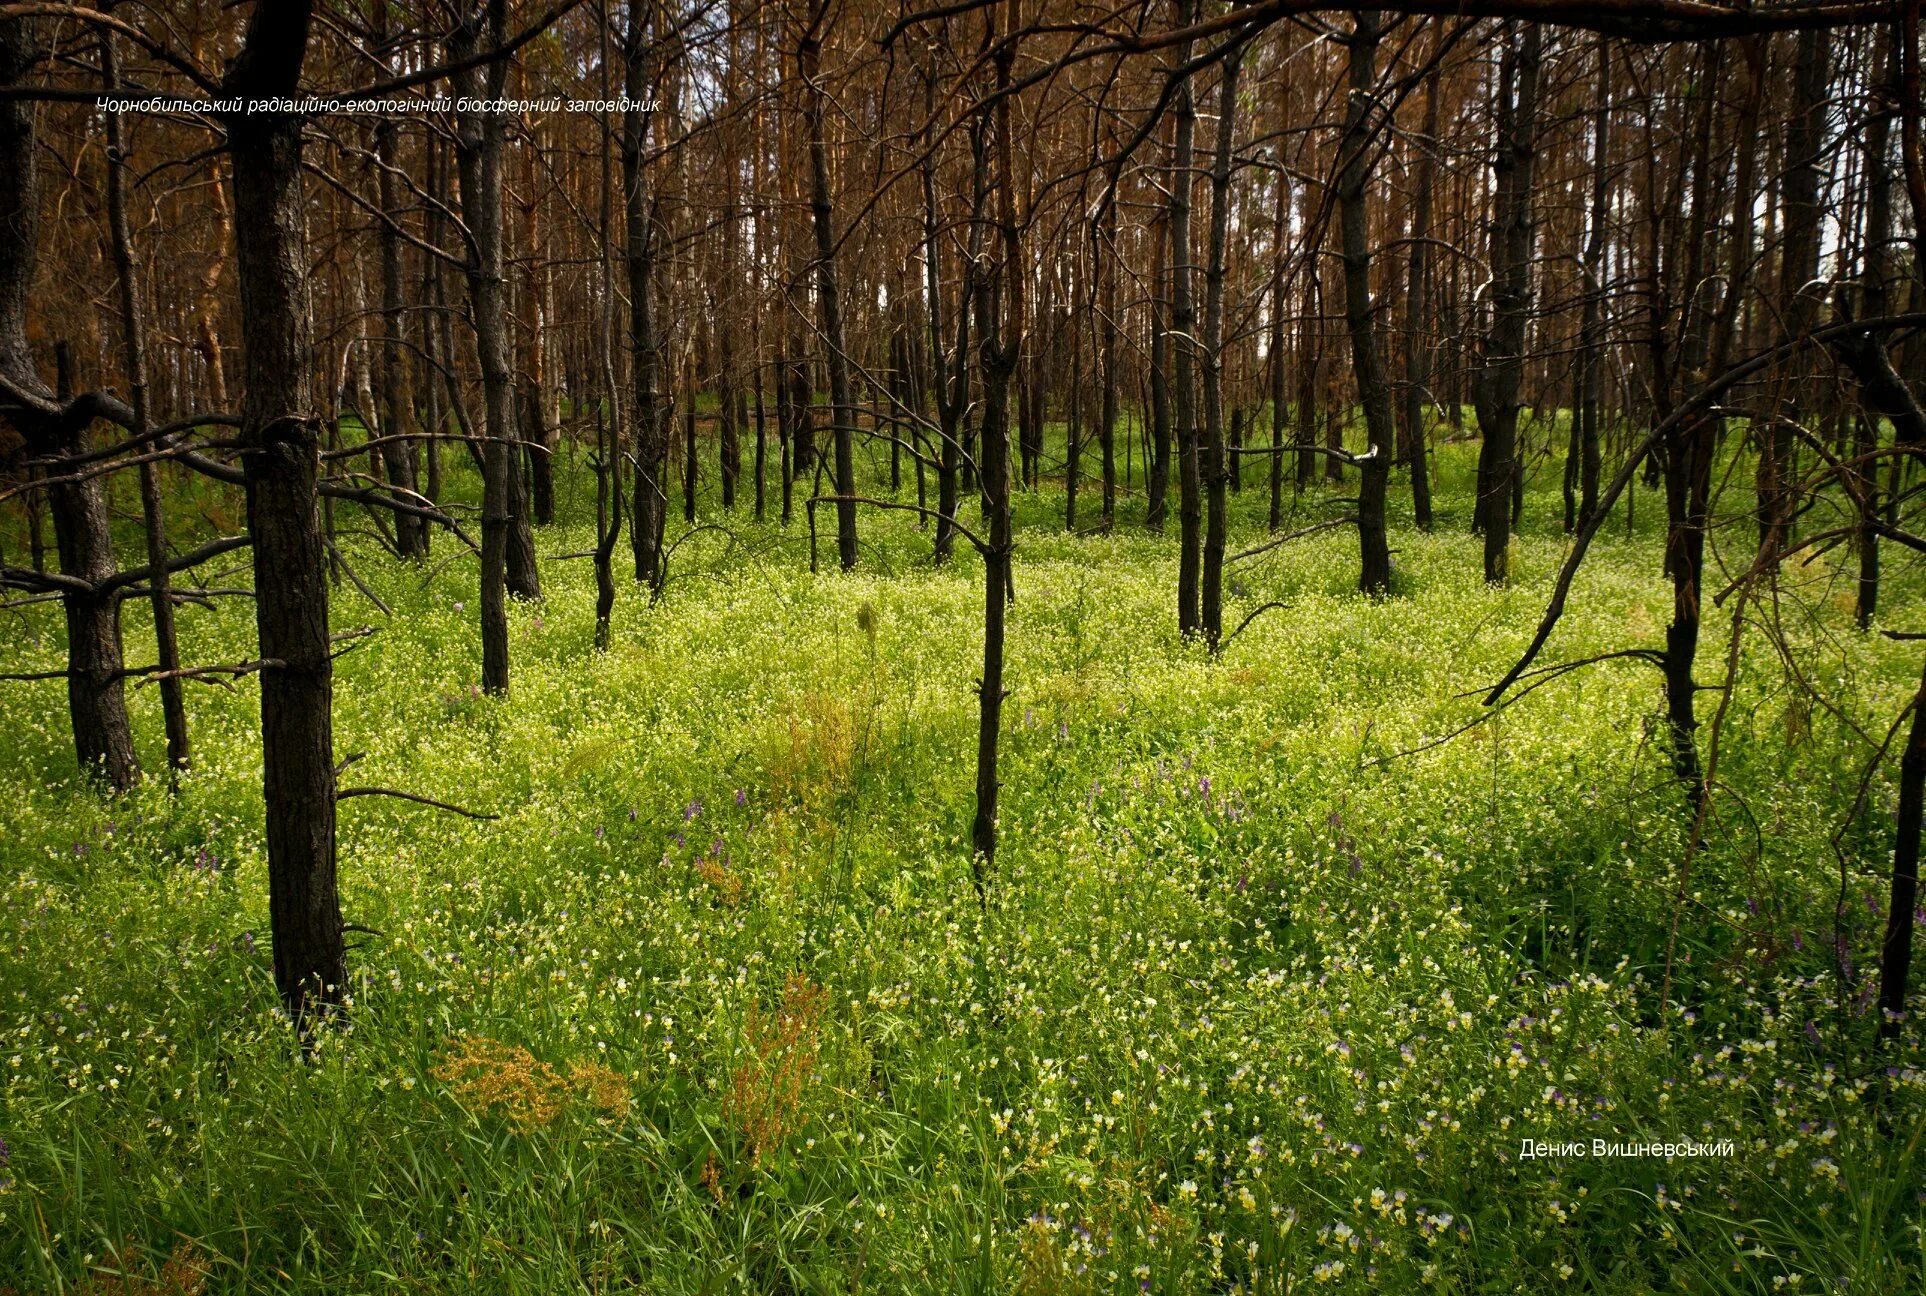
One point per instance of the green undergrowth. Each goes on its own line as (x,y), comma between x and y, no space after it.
(1266,994)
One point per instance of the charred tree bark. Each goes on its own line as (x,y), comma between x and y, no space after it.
(648,512)
(1157,468)
(1275,350)
(1582,463)
(1417,353)
(133,322)
(1107,327)
(83,541)
(1874,299)
(828,294)
(1799,195)
(280,433)
(1354,227)
(1896,952)
(54,430)
(1032,395)
(729,395)
(1183,324)
(762,442)
(999,312)
(951,374)
(1502,365)
(1310,361)
(1073,429)
(478,160)
(1216,469)
(1236,452)
(689,461)
(434,297)
(608,400)
(397,405)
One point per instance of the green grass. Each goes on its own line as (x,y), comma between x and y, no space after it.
(1251,1006)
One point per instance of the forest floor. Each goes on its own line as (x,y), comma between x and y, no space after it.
(1255,1003)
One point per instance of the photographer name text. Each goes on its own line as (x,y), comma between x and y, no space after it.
(1604,1149)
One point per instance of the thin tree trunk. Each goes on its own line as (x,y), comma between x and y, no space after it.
(951,380)
(478,159)
(397,406)
(1591,329)
(1106,252)
(1799,195)
(998,358)
(1216,473)
(1183,323)
(435,299)
(1310,361)
(1157,457)
(1275,357)
(1073,433)
(689,461)
(762,442)
(1417,352)
(608,400)
(828,296)
(1874,301)
(649,509)
(134,342)
(1374,574)
(1501,368)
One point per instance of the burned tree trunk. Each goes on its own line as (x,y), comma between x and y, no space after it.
(690,464)
(1274,356)
(1106,255)
(134,344)
(397,405)
(998,301)
(96,680)
(478,160)
(762,442)
(1799,195)
(951,377)
(1684,460)
(1502,364)
(1072,426)
(1417,354)
(1033,396)
(648,514)
(1183,324)
(55,429)
(1874,300)
(1896,952)
(828,296)
(1157,469)
(608,398)
(1354,228)
(1216,470)
(1581,471)
(280,433)
(1310,360)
